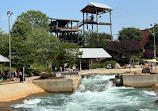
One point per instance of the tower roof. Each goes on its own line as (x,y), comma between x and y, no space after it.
(92,7)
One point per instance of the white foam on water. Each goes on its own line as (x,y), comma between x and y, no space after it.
(27,103)
(32,101)
(150,93)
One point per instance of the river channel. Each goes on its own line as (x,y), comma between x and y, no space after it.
(96,93)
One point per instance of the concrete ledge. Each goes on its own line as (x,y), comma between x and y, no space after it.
(140,80)
(55,85)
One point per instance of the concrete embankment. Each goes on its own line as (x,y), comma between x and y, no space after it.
(140,80)
(9,92)
(68,84)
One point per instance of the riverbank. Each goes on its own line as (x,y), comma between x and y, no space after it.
(16,91)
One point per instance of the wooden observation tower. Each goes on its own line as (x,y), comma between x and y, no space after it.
(95,9)
(64,29)
(67,30)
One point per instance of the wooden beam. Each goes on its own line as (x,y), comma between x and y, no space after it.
(71,24)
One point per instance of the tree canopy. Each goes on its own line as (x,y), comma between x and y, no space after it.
(45,46)
(94,40)
(35,18)
(124,49)
(4,45)
(130,34)
(21,29)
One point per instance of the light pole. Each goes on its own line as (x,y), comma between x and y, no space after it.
(9,14)
(153,34)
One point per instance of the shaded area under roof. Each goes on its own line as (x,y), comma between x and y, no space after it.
(92,7)
(3,59)
(91,53)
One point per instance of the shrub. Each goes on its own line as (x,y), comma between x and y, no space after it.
(47,75)
(48,69)
(28,72)
(36,72)
(111,62)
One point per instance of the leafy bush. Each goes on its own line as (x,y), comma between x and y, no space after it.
(28,72)
(95,66)
(111,62)
(36,72)
(47,75)
(48,69)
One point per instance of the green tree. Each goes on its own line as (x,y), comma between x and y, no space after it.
(21,29)
(4,45)
(35,18)
(152,32)
(68,53)
(45,45)
(130,34)
(94,40)
(22,53)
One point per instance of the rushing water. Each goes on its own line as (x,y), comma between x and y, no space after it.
(96,93)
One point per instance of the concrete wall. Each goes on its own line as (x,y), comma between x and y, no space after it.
(59,85)
(140,80)
(55,85)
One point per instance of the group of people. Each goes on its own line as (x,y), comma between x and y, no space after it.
(14,75)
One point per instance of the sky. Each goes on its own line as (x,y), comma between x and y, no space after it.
(127,13)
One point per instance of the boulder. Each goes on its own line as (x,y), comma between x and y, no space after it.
(156,102)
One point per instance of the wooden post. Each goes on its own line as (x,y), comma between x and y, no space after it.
(77,25)
(97,20)
(56,25)
(80,64)
(111,26)
(87,19)
(67,25)
(71,24)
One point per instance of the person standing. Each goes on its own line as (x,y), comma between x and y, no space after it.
(20,76)
(60,69)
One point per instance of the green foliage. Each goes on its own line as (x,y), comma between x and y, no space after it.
(45,46)
(36,72)
(48,69)
(47,75)
(21,29)
(111,62)
(95,66)
(28,72)
(68,53)
(130,33)
(4,44)
(35,18)
(150,44)
(94,40)
(22,53)
(103,65)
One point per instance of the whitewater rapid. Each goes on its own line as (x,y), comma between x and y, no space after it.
(96,93)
